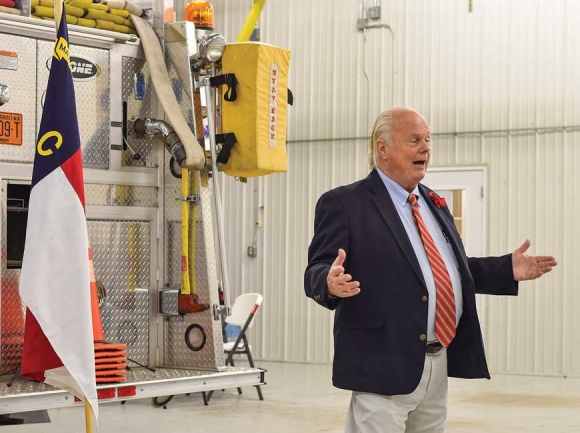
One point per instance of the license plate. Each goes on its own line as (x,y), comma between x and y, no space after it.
(11,128)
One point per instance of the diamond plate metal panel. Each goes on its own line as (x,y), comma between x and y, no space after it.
(92,100)
(121,256)
(120,195)
(22,87)
(11,307)
(168,302)
(176,353)
(22,386)
(146,107)
(173,252)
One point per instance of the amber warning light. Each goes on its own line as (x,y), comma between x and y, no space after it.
(200,13)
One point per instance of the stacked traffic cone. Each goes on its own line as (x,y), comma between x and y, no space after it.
(110,362)
(110,358)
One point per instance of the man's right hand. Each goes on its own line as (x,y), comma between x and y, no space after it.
(338,283)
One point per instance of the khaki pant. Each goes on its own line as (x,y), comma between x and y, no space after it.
(422,411)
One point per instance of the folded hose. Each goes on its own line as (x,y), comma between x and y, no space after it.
(195,157)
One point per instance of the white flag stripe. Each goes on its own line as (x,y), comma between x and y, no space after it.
(54,281)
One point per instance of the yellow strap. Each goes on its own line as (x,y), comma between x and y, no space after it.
(192,217)
(185,287)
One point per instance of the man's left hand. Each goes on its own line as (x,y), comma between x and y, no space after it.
(530,267)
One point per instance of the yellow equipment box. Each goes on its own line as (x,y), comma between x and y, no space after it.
(258,115)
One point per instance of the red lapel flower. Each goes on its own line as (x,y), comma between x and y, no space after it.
(438,200)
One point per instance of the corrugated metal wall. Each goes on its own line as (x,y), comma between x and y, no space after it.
(504,66)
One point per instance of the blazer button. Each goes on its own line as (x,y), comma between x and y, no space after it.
(317,297)
(422,337)
(424,298)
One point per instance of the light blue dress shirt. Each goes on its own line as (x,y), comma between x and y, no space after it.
(400,198)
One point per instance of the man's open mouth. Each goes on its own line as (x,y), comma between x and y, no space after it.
(420,163)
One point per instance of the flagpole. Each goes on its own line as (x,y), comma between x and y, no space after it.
(58,11)
(88,417)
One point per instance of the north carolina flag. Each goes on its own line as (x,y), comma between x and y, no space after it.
(54,281)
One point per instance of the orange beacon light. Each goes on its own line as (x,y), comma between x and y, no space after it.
(201,14)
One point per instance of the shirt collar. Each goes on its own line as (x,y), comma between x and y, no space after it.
(397,192)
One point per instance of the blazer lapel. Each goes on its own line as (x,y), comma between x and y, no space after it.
(386,207)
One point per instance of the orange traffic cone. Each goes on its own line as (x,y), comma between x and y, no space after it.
(98,334)
(110,358)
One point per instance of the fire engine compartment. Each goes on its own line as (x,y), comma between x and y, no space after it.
(133,216)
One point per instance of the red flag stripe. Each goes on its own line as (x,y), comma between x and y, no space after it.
(73,170)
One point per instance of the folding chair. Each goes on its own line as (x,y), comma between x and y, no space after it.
(243,313)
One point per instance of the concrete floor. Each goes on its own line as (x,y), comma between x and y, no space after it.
(299,398)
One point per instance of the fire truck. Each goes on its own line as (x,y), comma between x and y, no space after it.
(149,109)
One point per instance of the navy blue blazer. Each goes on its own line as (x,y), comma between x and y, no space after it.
(377,334)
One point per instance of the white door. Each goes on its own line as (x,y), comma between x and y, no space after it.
(463,189)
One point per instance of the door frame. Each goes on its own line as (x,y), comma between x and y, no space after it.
(472,179)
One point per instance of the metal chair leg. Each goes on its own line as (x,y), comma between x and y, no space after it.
(207,397)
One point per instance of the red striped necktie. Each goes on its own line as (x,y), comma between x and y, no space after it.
(445,322)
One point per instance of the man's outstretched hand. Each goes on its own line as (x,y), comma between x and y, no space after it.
(338,283)
(530,267)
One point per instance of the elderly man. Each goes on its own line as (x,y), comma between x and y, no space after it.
(387,257)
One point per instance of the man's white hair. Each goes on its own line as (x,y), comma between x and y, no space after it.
(383,129)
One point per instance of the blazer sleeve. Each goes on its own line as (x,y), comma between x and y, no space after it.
(493,275)
(331,232)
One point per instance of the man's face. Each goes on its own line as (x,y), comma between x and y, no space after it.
(406,159)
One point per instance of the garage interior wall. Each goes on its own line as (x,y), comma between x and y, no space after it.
(498,83)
